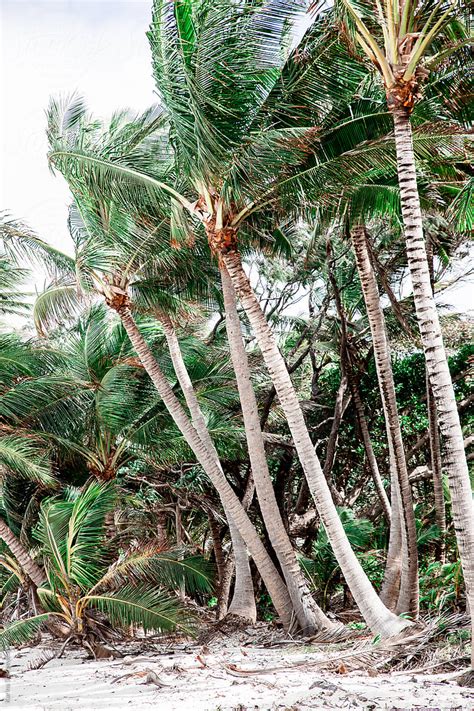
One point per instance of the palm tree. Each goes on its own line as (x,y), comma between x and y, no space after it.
(409,30)
(83,580)
(236,158)
(111,247)
(26,562)
(309,615)
(402,502)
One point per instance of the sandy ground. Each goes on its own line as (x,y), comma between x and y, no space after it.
(195,678)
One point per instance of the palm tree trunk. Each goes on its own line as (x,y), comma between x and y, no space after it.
(243,600)
(369,451)
(270,576)
(230,564)
(435,442)
(220,559)
(342,402)
(377,616)
(28,565)
(408,600)
(310,617)
(440,378)
(436,469)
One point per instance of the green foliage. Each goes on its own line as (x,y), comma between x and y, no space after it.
(440,586)
(135,589)
(322,568)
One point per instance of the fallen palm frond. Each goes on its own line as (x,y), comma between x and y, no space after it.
(418,645)
(41,660)
(440,641)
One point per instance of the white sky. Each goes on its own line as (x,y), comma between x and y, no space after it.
(51,47)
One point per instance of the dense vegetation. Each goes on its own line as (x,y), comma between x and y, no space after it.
(152,444)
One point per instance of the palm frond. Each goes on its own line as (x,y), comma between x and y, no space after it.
(22,631)
(24,458)
(152,609)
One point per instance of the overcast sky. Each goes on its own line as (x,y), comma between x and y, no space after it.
(51,47)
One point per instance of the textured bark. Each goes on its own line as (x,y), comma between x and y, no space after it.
(369,451)
(435,442)
(462,506)
(310,617)
(243,600)
(267,570)
(408,600)
(391,584)
(436,470)
(377,616)
(342,401)
(219,556)
(35,573)
(223,602)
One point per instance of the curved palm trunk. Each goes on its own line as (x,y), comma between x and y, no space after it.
(408,600)
(28,565)
(437,364)
(310,617)
(243,599)
(270,576)
(377,616)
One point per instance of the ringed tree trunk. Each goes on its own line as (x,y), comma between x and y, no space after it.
(369,451)
(381,620)
(243,599)
(393,568)
(275,585)
(435,441)
(310,617)
(35,573)
(462,505)
(342,402)
(408,599)
(437,470)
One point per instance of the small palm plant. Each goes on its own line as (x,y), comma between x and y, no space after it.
(85,596)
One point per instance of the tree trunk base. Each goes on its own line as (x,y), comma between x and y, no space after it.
(466,679)
(226,626)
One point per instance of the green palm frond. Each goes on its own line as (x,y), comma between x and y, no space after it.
(72,534)
(214,64)
(152,609)
(86,531)
(22,631)
(461,210)
(59,304)
(26,459)
(49,402)
(169,569)
(23,245)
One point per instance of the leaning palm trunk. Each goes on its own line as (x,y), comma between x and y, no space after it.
(27,564)
(408,599)
(378,617)
(310,617)
(270,576)
(243,600)
(437,364)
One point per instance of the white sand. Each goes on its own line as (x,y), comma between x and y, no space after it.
(197,679)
